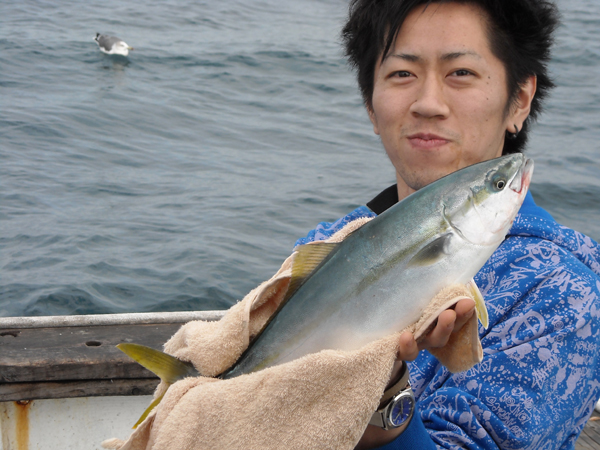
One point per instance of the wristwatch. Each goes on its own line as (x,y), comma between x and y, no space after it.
(397,405)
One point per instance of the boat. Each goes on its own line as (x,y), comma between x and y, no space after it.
(64,384)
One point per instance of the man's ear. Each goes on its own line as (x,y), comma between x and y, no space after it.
(522,105)
(373,119)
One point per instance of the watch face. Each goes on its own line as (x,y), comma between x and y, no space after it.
(401,410)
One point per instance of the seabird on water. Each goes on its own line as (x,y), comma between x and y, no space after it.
(112,45)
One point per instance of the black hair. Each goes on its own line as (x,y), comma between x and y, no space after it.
(520,34)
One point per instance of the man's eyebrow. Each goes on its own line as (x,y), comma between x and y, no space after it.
(456,55)
(406,57)
(445,57)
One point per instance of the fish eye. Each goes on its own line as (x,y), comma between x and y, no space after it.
(496,180)
(500,184)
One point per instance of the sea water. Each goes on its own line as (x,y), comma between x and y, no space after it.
(179,178)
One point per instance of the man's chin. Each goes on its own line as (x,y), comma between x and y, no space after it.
(418,182)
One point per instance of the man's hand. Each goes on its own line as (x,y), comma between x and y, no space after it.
(448,322)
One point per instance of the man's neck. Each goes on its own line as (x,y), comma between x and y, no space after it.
(403,189)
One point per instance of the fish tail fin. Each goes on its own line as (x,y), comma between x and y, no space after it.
(148,410)
(166,367)
(480,307)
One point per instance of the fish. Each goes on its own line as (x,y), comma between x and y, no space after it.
(382,276)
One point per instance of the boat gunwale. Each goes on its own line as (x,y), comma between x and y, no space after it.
(24,322)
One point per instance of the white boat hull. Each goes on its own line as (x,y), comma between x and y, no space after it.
(63,383)
(68,423)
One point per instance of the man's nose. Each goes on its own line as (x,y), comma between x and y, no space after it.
(430,101)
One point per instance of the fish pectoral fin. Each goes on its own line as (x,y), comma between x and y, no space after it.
(148,410)
(480,307)
(166,367)
(307,259)
(432,252)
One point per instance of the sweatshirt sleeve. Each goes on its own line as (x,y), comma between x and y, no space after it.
(325,230)
(415,437)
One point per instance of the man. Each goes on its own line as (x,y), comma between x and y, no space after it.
(447,85)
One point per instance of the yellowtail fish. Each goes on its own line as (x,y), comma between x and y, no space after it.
(382,276)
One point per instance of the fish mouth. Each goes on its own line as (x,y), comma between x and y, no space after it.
(522,178)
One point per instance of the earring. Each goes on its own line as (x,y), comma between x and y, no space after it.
(513,135)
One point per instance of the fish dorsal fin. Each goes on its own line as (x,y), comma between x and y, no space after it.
(166,367)
(432,252)
(307,259)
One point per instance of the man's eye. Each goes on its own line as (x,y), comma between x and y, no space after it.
(462,72)
(401,74)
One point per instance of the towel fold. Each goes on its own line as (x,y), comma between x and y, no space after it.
(322,400)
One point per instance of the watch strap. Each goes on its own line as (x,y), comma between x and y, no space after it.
(399,385)
(402,384)
(377,419)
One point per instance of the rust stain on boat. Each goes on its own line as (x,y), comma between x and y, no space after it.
(22,424)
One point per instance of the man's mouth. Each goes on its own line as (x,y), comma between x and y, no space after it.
(426,140)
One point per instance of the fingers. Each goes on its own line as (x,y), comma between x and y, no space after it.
(448,322)
(464,311)
(438,337)
(408,349)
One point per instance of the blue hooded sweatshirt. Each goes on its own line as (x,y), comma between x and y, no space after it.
(540,376)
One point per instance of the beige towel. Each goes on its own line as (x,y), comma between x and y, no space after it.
(321,401)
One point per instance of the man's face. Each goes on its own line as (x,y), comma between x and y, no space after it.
(439,98)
